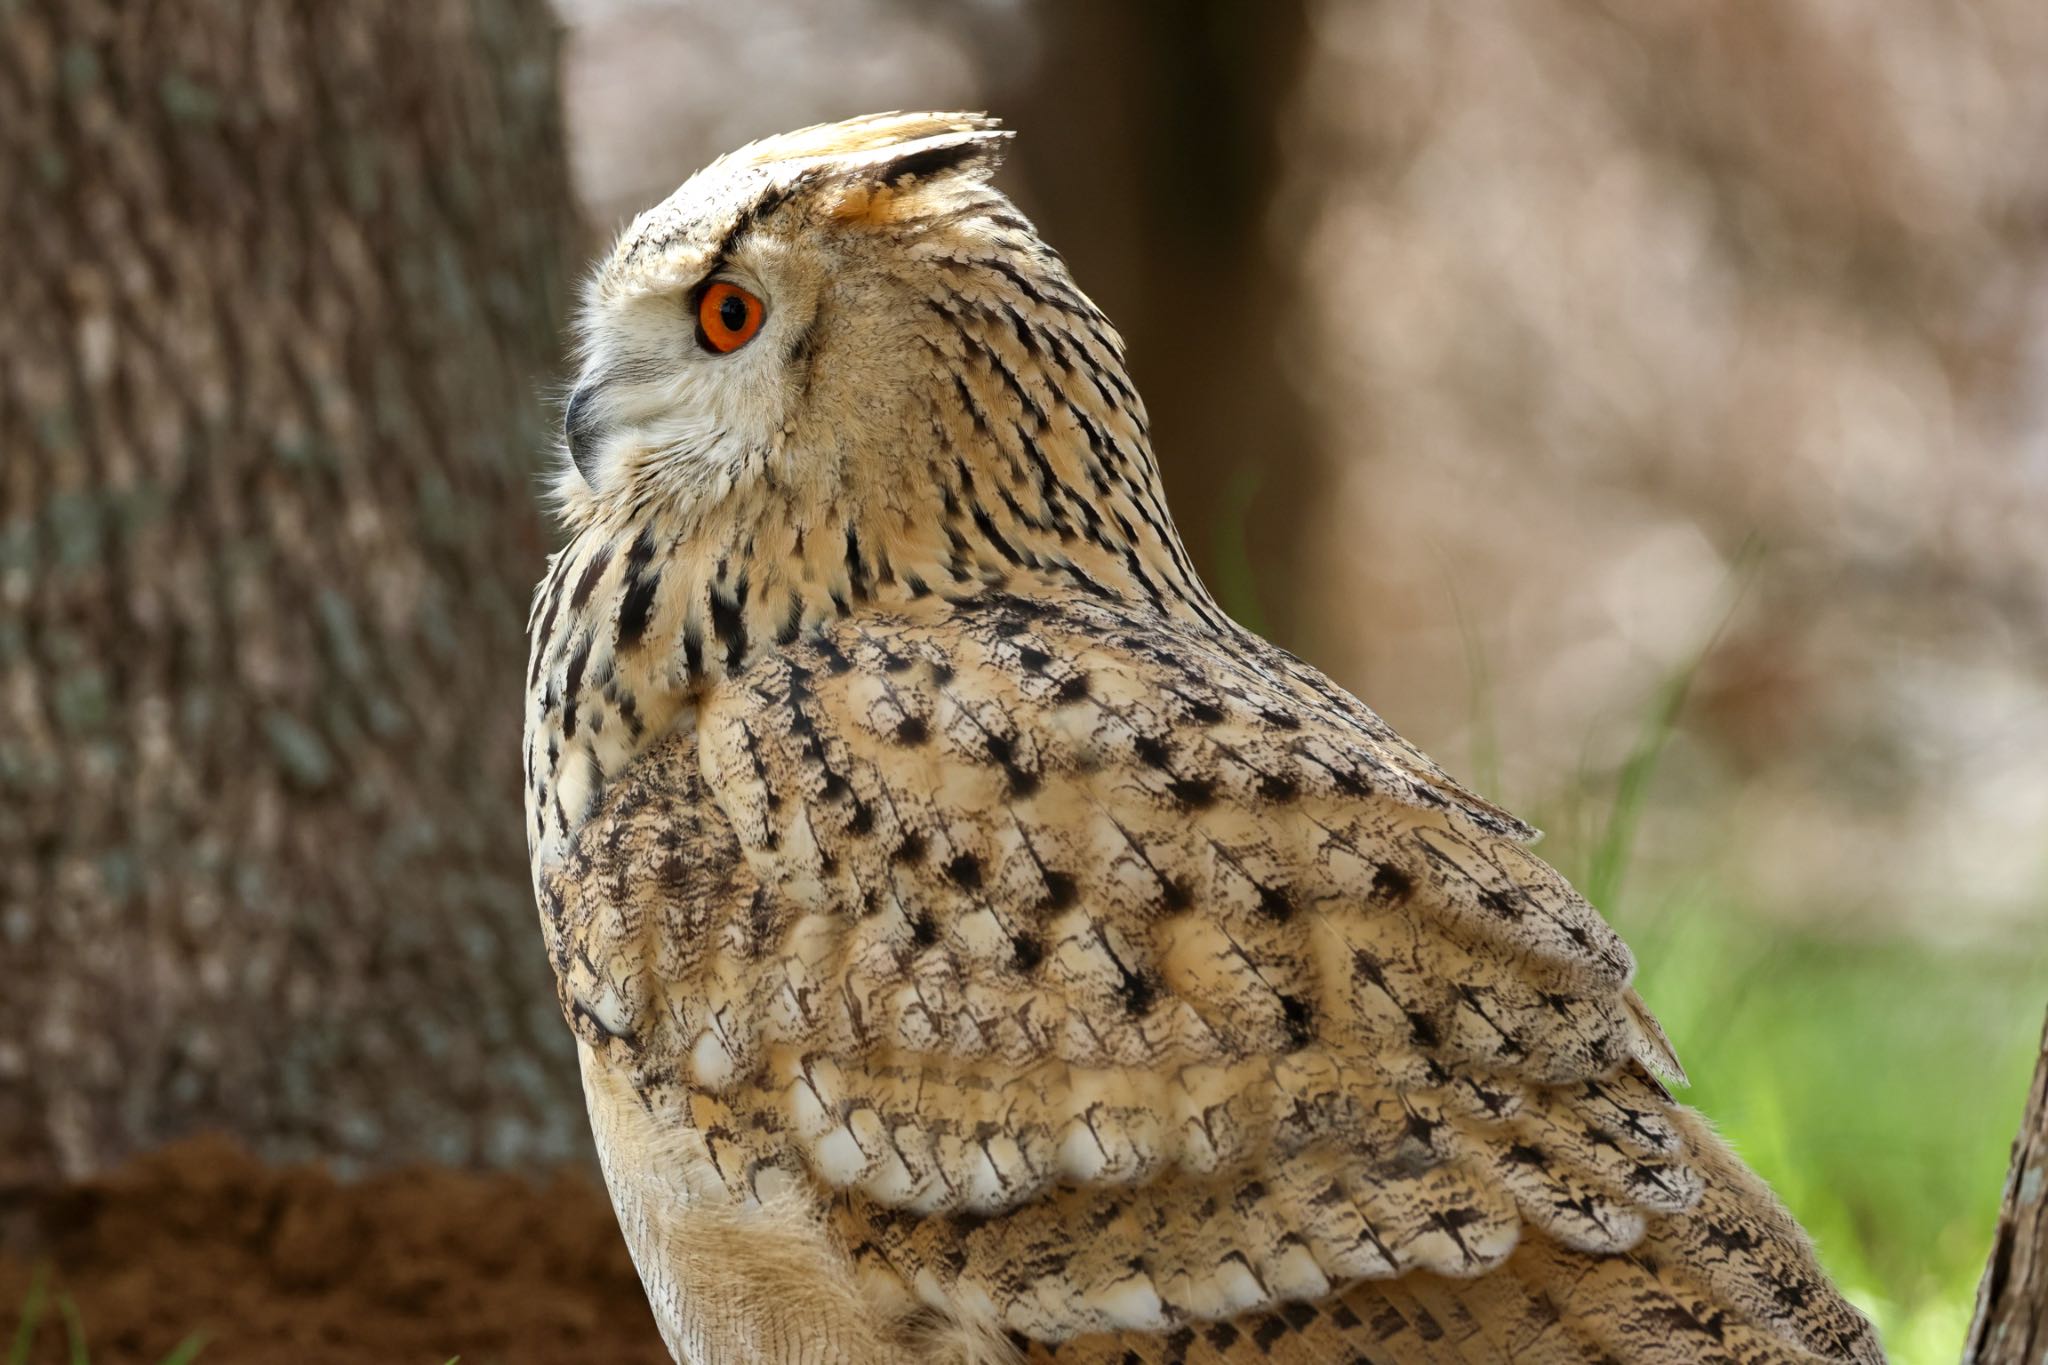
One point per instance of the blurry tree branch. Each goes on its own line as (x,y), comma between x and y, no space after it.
(2011,1327)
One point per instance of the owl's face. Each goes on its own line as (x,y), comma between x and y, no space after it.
(765,320)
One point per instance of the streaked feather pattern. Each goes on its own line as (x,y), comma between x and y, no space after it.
(979,947)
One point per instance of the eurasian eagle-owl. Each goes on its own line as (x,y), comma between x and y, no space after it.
(977,944)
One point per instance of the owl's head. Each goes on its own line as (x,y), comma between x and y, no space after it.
(836,371)
(774,315)
(844,358)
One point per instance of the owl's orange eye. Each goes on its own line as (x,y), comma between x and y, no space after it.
(727,317)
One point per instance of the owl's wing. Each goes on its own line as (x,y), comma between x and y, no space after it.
(1104,977)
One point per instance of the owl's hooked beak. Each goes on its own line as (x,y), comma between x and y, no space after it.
(582,428)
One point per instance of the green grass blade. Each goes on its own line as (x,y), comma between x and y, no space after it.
(31,1316)
(184,1352)
(74,1330)
(1484,719)
(1609,867)
(1236,581)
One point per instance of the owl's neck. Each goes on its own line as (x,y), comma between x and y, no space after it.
(1025,468)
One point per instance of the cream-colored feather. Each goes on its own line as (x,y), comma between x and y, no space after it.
(977,944)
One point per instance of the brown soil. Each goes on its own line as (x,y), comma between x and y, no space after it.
(291,1267)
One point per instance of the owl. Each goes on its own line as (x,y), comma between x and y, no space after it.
(980,948)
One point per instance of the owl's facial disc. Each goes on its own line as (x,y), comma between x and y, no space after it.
(758,318)
(687,368)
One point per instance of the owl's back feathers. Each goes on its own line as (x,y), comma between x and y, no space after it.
(1128,993)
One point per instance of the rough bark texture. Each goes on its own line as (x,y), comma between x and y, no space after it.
(2012,1302)
(279,293)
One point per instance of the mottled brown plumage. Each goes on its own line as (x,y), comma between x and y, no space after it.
(978,945)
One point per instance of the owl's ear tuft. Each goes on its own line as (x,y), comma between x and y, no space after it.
(882,182)
(976,153)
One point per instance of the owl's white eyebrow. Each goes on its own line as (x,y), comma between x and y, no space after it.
(767,202)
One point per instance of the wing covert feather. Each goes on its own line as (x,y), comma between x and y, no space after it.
(1100,979)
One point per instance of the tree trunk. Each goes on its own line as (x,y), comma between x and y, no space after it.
(279,291)
(2012,1302)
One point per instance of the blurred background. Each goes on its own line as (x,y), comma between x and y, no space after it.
(1644,407)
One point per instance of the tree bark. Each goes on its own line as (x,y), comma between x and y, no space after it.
(2011,1326)
(279,292)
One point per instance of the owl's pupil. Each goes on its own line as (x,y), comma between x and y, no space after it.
(732,313)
